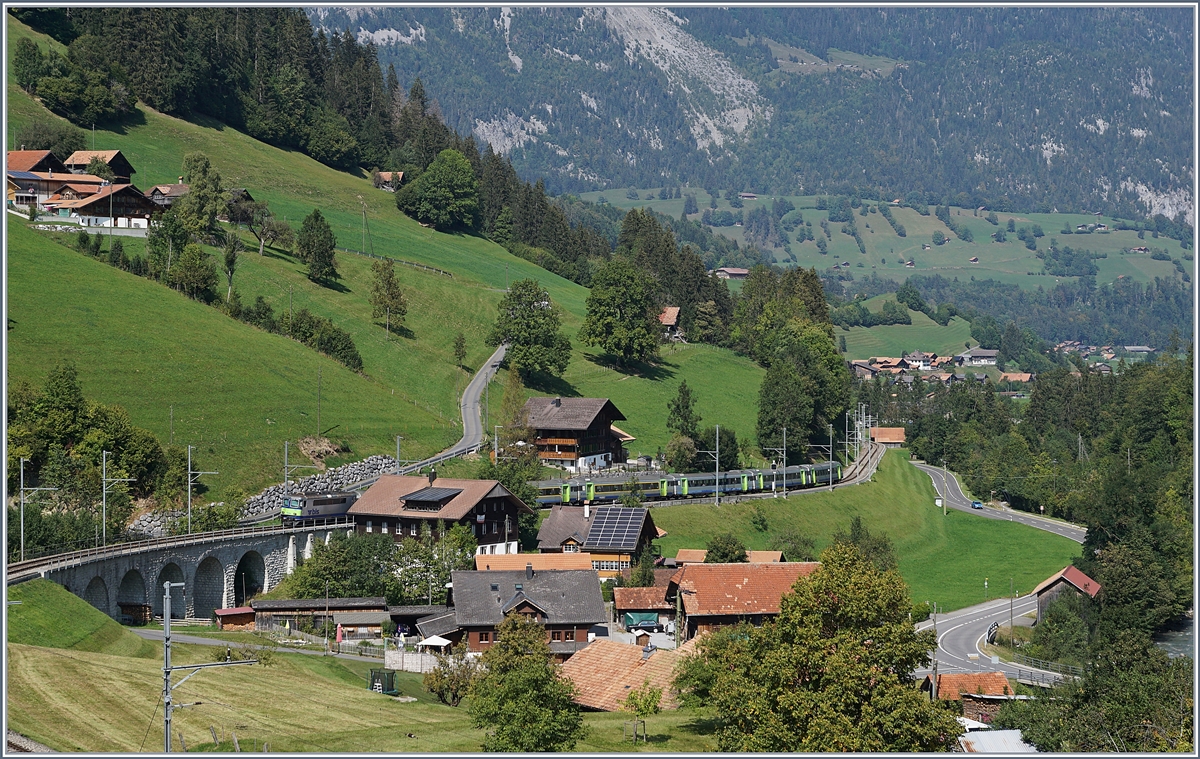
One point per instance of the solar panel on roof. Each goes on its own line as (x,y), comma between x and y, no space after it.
(615,527)
(23,175)
(433,494)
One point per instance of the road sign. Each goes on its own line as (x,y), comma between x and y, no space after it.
(937,502)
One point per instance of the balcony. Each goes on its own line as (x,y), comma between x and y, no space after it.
(556,441)
(558,455)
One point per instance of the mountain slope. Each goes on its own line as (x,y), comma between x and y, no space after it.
(1074,109)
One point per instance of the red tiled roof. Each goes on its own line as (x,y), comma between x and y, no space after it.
(386,497)
(540,561)
(634,599)
(605,671)
(1082,582)
(1016,377)
(887,434)
(952,686)
(718,589)
(25,160)
(669,316)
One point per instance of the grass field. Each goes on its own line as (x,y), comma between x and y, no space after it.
(892,339)
(73,695)
(238,393)
(943,559)
(1007,262)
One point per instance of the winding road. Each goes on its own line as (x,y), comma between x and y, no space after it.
(961,633)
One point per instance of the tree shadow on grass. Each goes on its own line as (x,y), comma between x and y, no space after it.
(399,330)
(134,119)
(336,286)
(655,372)
(548,383)
(700,725)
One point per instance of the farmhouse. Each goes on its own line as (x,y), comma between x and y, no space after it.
(613,535)
(731,272)
(42,185)
(978,357)
(920,360)
(514,561)
(577,433)
(121,205)
(863,369)
(33,160)
(78,162)
(669,319)
(1016,377)
(717,595)
(399,505)
(567,602)
(606,671)
(165,195)
(888,437)
(1068,580)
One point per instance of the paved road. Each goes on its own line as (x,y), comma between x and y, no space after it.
(960,633)
(955,499)
(198,640)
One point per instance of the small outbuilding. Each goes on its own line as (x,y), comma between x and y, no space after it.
(237,618)
(1068,580)
(888,437)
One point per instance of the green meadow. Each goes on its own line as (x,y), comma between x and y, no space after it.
(1008,262)
(942,558)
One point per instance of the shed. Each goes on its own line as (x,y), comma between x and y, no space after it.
(1069,579)
(888,437)
(995,742)
(237,618)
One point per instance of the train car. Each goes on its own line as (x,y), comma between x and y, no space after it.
(300,506)
(828,473)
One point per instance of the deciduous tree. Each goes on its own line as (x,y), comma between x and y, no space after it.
(522,699)
(529,322)
(622,312)
(446,195)
(724,549)
(682,417)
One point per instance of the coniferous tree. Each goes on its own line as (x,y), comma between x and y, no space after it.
(315,247)
(387,300)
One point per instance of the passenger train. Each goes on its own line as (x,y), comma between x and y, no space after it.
(316,505)
(657,486)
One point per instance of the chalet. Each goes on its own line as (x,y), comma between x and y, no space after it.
(165,195)
(120,205)
(1104,369)
(1016,377)
(605,672)
(614,535)
(710,596)
(946,378)
(863,369)
(973,259)
(42,185)
(669,319)
(1068,580)
(747,196)
(1139,249)
(731,272)
(33,160)
(940,361)
(1139,350)
(78,162)
(888,437)
(884,363)
(920,360)
(577,433)
(399,505)
(567,602)
(978,357)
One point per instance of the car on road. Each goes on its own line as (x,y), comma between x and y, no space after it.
(976,505)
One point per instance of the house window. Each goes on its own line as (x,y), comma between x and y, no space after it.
(570,548)
(556,635)
(495,527)
(569,635)
(484,637)
(383,528)
(412,529)
(369,527)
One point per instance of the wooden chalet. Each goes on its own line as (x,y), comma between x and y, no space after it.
(710,596)
(33,160)
(577,433)
(165,195)
(613,535)
(399,505)
(78,162)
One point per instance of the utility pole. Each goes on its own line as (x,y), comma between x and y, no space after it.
(945,487)
(398,438)
(168,707)
(193,478)
(496,442)
(717,463)
(783,452)
(25,490)
(1011,630)
(104,480)
(318,401)
(289,468)
(326,624)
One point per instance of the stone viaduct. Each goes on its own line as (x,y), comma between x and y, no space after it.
(218,570)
